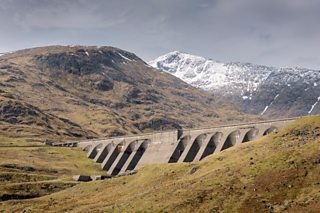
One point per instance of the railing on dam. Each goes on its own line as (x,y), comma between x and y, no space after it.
(120,137)
(183,130)
(243,124)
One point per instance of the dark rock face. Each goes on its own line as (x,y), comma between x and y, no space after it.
(159,124)
(85,61)
(132,96)
(115,133)
(153,96)
(69,63)
(136,96)
(9,112)
(104,85)
(78,63)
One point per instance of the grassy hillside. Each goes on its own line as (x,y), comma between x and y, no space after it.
(277,173)
(63,92)
(21,120)
(31,170)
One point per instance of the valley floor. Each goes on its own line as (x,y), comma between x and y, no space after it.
(276,173)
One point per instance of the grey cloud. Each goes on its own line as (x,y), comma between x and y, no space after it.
(273,32)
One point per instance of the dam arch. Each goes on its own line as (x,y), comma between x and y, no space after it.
(138,155)
(231,140)
(114,154)
(87,148)
(212,144)
(124,157)
(104,153)
(250,135)
(179,149)
(94,151)
(270,130)
(195,147)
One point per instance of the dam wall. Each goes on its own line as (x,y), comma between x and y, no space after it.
(120,154)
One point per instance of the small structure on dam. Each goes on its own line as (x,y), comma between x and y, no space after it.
(120,154)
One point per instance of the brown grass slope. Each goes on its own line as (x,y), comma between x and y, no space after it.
(105,91)
(24,120)
(28,172)
(277,173)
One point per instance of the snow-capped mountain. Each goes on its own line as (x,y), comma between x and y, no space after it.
(257,89)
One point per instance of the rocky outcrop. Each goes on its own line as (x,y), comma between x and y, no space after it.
(159,124)
(10,111)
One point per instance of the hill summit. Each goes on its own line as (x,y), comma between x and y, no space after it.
(88,91)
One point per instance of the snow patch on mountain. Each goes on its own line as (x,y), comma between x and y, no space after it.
(312,107)
(5,53)
(265,109)
(209,74)
(257,89)
(122,56)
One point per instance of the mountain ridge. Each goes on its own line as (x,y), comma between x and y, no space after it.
(257,89)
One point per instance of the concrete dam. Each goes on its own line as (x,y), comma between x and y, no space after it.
(120,154)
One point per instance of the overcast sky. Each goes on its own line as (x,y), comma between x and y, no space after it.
(269,32)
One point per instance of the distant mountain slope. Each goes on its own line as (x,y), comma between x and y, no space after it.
(105,91)
(256,89)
